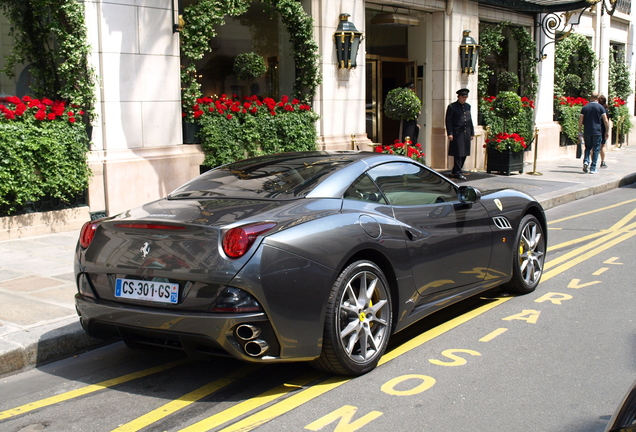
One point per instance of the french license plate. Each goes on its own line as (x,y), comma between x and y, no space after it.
(164,292)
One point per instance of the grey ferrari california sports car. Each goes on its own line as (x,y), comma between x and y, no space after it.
(315,256)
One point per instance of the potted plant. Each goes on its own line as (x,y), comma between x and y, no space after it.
(402,104)
(505,150)
(505,153)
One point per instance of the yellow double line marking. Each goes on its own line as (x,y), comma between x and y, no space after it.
(89,389)
(606,239)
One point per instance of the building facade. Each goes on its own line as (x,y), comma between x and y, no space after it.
(138,152)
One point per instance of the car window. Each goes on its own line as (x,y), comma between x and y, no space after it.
(274,177)
(364,189)
(407,184)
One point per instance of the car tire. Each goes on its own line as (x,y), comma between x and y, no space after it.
(528,256)
(358,321)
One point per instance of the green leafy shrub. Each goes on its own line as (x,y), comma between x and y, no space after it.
(249,66)
(402,104)
(491,40)
(619,89)
(523,123)
(574,56)
(43,147)
(508,81)
(619,79)
(621,118)
(51,36)
(232,129)
(572,85)
(569,111)
(507,105)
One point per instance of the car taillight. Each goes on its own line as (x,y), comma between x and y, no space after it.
(87,233)
(237,241)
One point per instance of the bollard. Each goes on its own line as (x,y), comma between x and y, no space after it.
(536,151)
(475,169)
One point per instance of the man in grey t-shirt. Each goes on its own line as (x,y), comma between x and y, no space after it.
(592,116)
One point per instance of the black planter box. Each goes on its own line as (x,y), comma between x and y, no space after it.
(504,162)
(191,133)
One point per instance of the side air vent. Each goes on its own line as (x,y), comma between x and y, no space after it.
(502,223)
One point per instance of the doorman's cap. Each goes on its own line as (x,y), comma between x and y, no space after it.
(463,92)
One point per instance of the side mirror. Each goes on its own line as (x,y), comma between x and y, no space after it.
(468,195)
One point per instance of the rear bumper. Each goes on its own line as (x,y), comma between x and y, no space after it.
(200,335)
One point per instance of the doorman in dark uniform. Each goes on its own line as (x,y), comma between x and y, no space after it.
(460,131)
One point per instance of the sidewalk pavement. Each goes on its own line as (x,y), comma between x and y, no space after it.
(38,323)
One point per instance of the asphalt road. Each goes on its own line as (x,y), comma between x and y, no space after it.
(559,359)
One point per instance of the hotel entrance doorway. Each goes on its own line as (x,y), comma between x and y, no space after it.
(384,74)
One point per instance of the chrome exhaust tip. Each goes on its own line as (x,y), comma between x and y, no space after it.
(247,332)
(256,347)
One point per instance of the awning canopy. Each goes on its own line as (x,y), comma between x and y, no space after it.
(540,6)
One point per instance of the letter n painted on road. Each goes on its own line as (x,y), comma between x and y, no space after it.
(344,415)
(555,298)
(528,315)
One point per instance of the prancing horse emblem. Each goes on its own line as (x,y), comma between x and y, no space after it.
(145,250)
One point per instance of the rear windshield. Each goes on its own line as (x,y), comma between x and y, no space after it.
(268,177)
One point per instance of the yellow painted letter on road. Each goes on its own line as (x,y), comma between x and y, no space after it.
(457,360)
(555,298)
(576,284)
(389,386)
(528,315)
(344,416)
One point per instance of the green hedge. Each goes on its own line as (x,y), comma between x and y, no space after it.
(232,129)
(42,152)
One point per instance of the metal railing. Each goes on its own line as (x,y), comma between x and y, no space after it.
(624,6)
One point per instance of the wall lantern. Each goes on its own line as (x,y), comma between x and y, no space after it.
(347,39)
(177,17)
(468,53)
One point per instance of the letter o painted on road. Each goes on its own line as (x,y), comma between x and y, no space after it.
(426,383)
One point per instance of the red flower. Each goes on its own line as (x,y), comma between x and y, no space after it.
(411,151)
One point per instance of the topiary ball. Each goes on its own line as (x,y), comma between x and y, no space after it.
(249,65)
(508,81)
(507,105)
(402,104)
